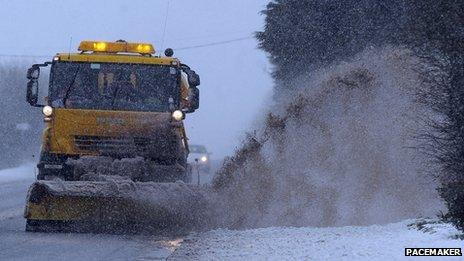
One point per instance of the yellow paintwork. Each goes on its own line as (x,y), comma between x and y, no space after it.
(78,209)
(67,123)
(95,210)
(58,208)
(116,58)
(116,47)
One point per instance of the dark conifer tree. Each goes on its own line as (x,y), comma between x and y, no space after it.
(438,27)
(301,36)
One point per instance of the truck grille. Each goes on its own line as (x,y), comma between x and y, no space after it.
(113,145)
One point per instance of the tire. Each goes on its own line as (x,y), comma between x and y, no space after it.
(54,226)
(36,226)
(31,226)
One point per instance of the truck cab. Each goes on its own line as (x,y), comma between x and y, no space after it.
(117,100)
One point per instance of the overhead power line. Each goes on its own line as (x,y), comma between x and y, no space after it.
(214,43)
(25,56)
(176,49)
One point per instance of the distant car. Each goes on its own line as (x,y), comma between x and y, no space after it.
(199,155)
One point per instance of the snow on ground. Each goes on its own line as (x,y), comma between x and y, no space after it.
(377,242)
(24,172)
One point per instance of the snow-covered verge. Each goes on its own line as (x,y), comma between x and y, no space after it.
(24,172)
(376,242)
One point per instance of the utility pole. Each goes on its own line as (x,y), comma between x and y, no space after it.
(198,171)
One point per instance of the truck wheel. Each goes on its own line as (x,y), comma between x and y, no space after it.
(33,226)
(44,226)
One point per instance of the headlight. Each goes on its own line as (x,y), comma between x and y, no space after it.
(47,111)
(178,115)
(204,159)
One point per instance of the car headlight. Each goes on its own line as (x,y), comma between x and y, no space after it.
(204,159)
(47,111)
(178,115)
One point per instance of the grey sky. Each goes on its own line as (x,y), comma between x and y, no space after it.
(235,79)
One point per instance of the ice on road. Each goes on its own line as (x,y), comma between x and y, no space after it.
(378,242)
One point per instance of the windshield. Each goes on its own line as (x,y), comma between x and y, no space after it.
(111,86)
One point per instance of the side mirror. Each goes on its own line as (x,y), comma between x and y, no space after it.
(194,98)
(193,78)
(32,92)
(33,73)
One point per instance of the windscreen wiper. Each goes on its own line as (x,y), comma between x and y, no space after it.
(116,90)
(68,91)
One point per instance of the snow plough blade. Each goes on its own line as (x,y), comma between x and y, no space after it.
(112,206)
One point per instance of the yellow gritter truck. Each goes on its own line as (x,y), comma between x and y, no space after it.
(113,117)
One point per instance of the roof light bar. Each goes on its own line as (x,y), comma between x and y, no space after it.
(116,47)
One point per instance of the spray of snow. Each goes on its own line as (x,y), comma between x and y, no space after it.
(338,150)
